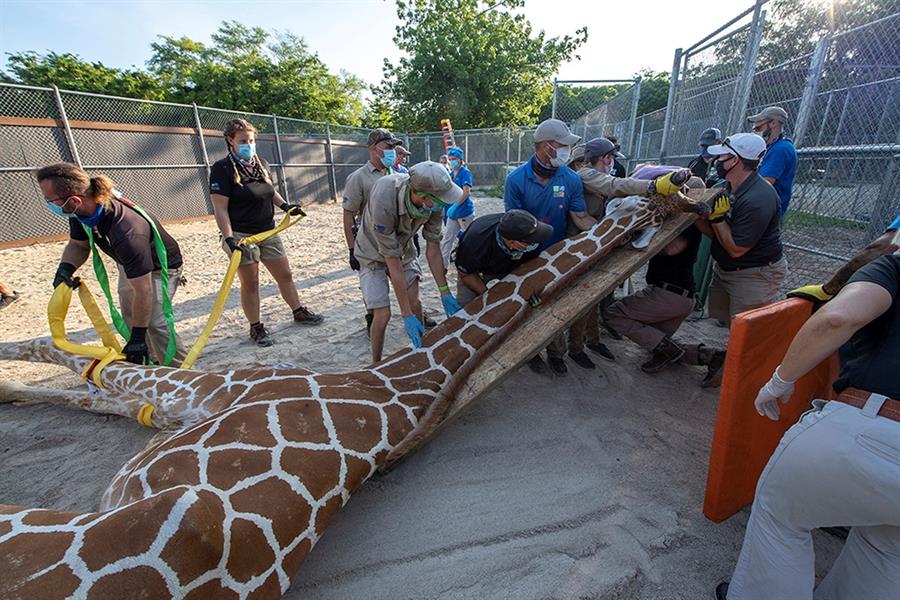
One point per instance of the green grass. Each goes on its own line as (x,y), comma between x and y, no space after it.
(798,218)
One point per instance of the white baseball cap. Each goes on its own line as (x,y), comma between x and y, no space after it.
(432,178)
(748,146)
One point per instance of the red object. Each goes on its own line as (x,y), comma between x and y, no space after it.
(447,132)
(743,441)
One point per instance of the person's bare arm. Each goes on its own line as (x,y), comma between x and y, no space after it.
(349,221)
(473,282)
(880,247)
(676,246)
(398,282)
(220,210)
(142,305)
(76,252)
(436,264)
(722,231)
(582,220)
(467,189)
(858,304)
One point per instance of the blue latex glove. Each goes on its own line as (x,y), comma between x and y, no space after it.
(450,305)
(414,330)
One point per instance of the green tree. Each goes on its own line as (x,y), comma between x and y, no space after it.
(478,63)
(654,91)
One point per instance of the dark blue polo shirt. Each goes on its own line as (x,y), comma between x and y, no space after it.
(780,162)
(549,203)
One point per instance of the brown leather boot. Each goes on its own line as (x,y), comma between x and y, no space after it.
(665,353)
(714,369)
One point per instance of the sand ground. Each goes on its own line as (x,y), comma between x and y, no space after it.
(584,486)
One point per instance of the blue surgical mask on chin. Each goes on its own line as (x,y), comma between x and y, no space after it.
(246,151)
(389,158)
(92,220)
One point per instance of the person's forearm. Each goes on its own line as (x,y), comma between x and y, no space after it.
(466,192)
(704,226)
(142,304)
(436,264)
(220,210)
(277,200)
(398,282)
(75,253)
(349,221)
(723,234)
(583,221)
(473,282)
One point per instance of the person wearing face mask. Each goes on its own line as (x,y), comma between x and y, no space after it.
(383,147)
(458,216)
(244,202)
(779,166)
(100,217)
(398,207)
(492,246)
(545,187)
(745,229)
(702,166)
(618,169)
(402,159)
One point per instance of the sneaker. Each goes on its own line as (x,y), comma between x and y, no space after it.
(6,300)
(721,592)
(259,335)
(582,360)
(369,317)
(306,317)
(713,377)
(601,349)
(665,353)
(557,365)
(537,365)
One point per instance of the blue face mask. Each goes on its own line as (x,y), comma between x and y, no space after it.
(92,220)
(389,157)
(454,164)
(58,210)
(246,151)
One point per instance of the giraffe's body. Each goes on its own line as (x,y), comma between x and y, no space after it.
(231,504)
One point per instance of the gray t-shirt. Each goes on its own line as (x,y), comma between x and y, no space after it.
(755,223)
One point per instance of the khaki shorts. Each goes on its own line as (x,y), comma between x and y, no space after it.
(733,292)
(269,249)
(376,285)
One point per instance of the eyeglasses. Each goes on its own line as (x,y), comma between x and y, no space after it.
(436,200)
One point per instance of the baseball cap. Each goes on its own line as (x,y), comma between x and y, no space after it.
(432,178)
(382,135)
(772,112)
(709,137)
(598,148)
(403,150)
(455,151)
(554,130)
(746,145)
(522,226)
(577,154)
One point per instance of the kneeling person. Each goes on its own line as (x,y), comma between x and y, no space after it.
(399,205)
(494,245)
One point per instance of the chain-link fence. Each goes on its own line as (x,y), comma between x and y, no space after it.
(157,153)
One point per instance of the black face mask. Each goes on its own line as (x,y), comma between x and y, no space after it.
(721,171)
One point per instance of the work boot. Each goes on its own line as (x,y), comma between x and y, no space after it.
(665,353)
(557,365)
(582,360)
(259,335)
(369,317)
(714,369)
(304,316)
(601,349)
(537,365)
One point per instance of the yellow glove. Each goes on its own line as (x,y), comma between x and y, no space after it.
(665,186)
(813,293)
(721,206)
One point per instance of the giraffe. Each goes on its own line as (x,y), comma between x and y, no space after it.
(231,504)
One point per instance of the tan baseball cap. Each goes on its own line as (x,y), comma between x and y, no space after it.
(577,153)
(554,130)
(774,113)
(432,178)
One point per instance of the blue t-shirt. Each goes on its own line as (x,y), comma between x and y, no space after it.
(458,211)
(895,224)
(780,163)
(551,203)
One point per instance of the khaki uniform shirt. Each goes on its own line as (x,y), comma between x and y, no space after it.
(359,186)
(600,187)
(386,228)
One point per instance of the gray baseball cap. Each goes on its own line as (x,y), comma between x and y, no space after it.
(522,226)
(433,178)
(554,130)
(776,113)
(577,154)
(383,135)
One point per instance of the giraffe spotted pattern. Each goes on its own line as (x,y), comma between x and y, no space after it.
(231,504)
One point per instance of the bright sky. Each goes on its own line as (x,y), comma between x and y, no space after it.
(624,36)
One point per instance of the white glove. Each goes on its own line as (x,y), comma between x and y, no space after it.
(767,399)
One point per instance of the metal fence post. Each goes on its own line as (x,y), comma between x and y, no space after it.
(508,142)
(427,148)
(281,173)
(809,91)
(670,106)
(203,151)
(555,88)
(466,145)
(70,139)
(742,90)
(633,119)
(329,158)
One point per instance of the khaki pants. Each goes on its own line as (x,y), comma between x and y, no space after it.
(157,329)
(733,292)
(649,315)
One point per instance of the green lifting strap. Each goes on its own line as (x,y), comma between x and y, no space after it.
(103,278)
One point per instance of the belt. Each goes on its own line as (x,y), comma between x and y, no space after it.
(744,268)
(857,397)
(676,289)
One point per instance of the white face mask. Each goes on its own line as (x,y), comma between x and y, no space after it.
(561,158)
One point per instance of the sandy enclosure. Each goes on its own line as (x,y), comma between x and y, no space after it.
(584,486)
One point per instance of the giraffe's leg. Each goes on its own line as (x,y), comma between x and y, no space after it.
(90,400)
(42,350)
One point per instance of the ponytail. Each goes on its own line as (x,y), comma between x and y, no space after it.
(101,188)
